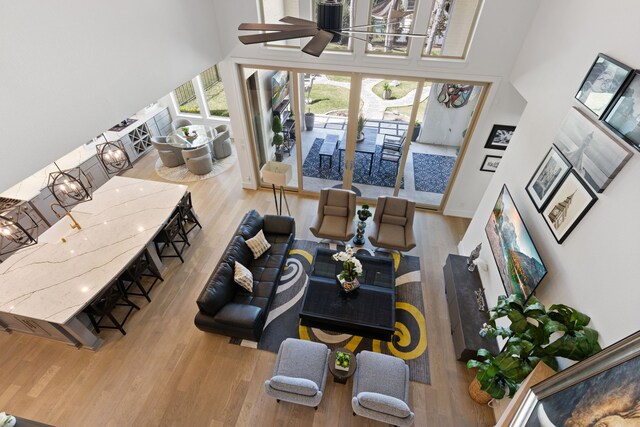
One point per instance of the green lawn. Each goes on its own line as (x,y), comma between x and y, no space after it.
(339,78)
(397,92)
(406,110)
(325,98)
(216,102)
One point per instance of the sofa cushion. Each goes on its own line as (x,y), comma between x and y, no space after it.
(250,225)
(300,386)
(335,210)
(243,277)
(384,404)
(279,224)
(240,315)
(258,244)
(381,373)
(238,251)
(219,290)
(394,220)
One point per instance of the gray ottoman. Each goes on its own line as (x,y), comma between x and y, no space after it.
(300,373)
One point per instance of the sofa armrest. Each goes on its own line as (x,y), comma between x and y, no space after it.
(409,238)
(279,224)
(240,315)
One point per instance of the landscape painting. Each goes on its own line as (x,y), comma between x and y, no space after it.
(519,264)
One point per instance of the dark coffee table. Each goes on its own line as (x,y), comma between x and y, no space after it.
(368,311)
(340,376)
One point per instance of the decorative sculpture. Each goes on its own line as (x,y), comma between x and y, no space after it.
(471,266)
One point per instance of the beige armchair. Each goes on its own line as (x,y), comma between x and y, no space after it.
(336,210)
(393,224)
(198,160)
(221,143)
(169,155)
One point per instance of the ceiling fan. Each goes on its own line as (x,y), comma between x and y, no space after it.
(327,29)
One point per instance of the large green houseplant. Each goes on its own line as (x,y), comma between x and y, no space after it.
(278,138)
(535,334)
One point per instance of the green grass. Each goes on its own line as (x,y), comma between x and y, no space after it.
(325,98)
(397,92)
(406,110)
(339,78)
(216,101)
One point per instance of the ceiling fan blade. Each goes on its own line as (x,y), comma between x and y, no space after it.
(317,44)
(298,21)
(268,27)
(279,35)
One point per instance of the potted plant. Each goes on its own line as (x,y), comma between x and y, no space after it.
(342,360)
(352,268)
(416,131)
(364,213)
(309,119)
(535,334)
(278,139)
(185,130)
(386,93)
(361,121)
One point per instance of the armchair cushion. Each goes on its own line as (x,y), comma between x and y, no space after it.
(391,235)
(393,219)
(335,210)
(384,404)
(301,386)
(333,225)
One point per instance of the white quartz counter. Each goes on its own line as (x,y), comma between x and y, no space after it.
(53,281)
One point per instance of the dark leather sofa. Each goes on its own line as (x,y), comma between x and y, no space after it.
(225,307)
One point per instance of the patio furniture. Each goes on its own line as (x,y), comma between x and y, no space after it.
(368,148)
(392,147)
(221,143)
(300,374)
(180,123)
(393,224)
(368,311)
(336,210)
(328,147)
(169,155)
(381,389)
(199,160)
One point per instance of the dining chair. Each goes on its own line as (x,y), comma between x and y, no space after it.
(392,148)
(221,143)
(180,123)
(170,156)
(198,160)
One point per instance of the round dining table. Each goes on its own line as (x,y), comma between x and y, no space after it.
(192,136)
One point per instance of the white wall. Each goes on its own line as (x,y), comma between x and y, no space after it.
(595,270)
(70,70)
(501,29)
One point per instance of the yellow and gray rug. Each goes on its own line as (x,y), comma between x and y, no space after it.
(410,339)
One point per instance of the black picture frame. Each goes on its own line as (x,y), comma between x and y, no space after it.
(584,391)
(623,111)
(551,171)
(573,191)
(500,137)
(607,76)
(485,167)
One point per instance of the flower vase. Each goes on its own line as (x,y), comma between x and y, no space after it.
(348,285)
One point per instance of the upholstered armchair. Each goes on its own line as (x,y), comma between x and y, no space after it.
(336,210)
(393,224)
(169,155)
(198,160)
(381,389)
(221,143)
(180,123)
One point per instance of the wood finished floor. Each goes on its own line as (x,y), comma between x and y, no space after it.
(165,372)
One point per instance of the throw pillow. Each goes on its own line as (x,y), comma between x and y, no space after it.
(243,277)
(384,404)
(258,244)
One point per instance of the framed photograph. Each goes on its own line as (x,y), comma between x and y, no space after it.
(499,137)
(603,390)
(490,163)
(545,180)
(594,154)
(568,205)
(519,263)
(602,83)
(624,116)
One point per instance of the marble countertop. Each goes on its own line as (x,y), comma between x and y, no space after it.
(53,281)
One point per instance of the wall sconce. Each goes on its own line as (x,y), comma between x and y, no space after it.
(17,230)
(69,187)
(113,156)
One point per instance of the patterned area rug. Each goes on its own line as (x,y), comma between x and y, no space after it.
(409,341)
(432,172)
(382,174)
(182,174)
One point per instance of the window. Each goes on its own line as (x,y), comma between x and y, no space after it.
(186,98)
(274,10)
(391,16)
(214,92)
(347,21)
(451,24)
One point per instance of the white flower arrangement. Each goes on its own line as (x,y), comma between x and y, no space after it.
(7,420)
(352,267)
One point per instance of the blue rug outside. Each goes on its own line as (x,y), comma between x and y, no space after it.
(382,174)
(432,172)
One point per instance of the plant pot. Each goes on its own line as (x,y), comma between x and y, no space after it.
(360,137)
(362,218)
(279,155)
(477,394)
(416,133)
(348,285)
(386,94)
(309,119)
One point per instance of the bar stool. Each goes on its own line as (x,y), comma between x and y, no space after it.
(171,234)
(102,307)
(188,214)
(133,275)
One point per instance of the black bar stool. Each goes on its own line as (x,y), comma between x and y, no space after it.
(172,235)
(188,214)
(102,307)
(141,267)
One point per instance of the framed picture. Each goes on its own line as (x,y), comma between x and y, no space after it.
(594,154)
(602,83)
(624,117)
(551,171)
(568,205)
(490,163)
(603,390)
(499,137)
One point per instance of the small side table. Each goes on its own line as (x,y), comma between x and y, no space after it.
(340,376)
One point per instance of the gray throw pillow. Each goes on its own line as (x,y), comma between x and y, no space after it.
(384,404)
(300,386)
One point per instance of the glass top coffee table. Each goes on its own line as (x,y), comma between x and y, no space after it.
(369,311)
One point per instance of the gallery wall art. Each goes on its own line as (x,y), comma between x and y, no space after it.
(602,83)
(490,163)
(624,117)
(549,174)
(499,137)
